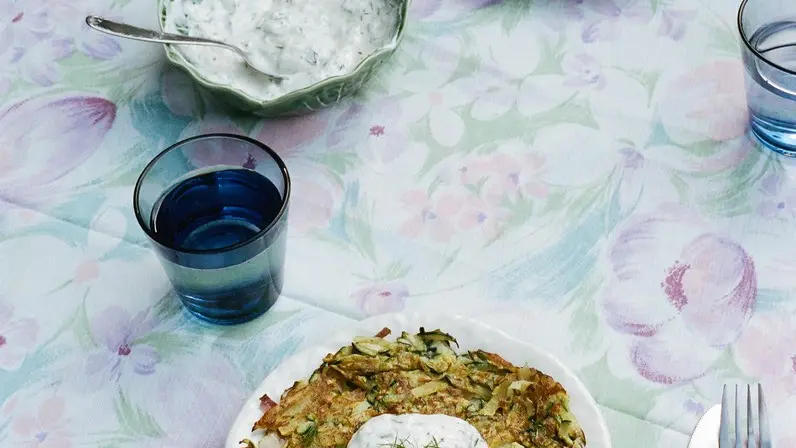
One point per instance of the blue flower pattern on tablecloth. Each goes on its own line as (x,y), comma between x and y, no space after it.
(522,162)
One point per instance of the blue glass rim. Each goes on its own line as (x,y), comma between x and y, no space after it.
(750,47)
(265,148)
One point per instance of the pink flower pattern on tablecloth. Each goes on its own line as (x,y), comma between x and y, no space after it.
(65,133)
(766,350)
(707,102)
(583,70)
(180,93)
(377,126)
(680,300)
(557,14)
(47,426)
(433,216)
(29,45)
(197,410)
(97,46)
(421,9)
(284,135)
(506,176)
(524,147)
(211,152)
(515,176)
(381,298)
(486,216)
(17,338)
(24,23)
(36,35)
(314,201)
(675,22)
(610,15)
(778,199)
(120,353)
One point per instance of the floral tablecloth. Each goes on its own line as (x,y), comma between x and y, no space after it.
(575,172)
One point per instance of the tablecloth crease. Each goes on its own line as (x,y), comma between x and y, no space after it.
(575,172)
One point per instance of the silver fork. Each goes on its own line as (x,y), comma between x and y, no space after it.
(747,433)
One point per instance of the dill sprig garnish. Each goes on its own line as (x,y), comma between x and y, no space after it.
(406,443)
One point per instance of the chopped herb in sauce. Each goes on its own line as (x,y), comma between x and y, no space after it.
(308,39)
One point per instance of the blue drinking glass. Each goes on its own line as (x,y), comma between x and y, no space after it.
(215,209)
(768,47)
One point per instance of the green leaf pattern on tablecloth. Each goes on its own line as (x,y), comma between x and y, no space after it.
(575,172)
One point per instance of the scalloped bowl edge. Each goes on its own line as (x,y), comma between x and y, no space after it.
(308,99)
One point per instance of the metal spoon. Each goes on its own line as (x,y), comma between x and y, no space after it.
(134,32)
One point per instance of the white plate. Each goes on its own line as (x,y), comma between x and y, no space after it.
(469,333)
(706,433)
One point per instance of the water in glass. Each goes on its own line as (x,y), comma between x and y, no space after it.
(771,91)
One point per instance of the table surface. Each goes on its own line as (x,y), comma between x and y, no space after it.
(575,172)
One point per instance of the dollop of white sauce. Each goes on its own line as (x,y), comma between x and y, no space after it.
(417,431)
(313,39)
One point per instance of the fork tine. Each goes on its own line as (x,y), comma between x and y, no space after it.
(724,426)
(764,429)
(738,420)
(750,431)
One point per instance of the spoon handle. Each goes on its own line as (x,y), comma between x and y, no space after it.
(134,32)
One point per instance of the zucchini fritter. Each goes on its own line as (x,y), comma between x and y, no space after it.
(421,373)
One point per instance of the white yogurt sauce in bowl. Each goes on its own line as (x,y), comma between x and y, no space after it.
(314,39)
(417,431)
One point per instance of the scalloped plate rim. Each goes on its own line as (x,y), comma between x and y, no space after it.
(303,363)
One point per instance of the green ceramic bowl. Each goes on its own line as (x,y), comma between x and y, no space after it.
(297,102)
